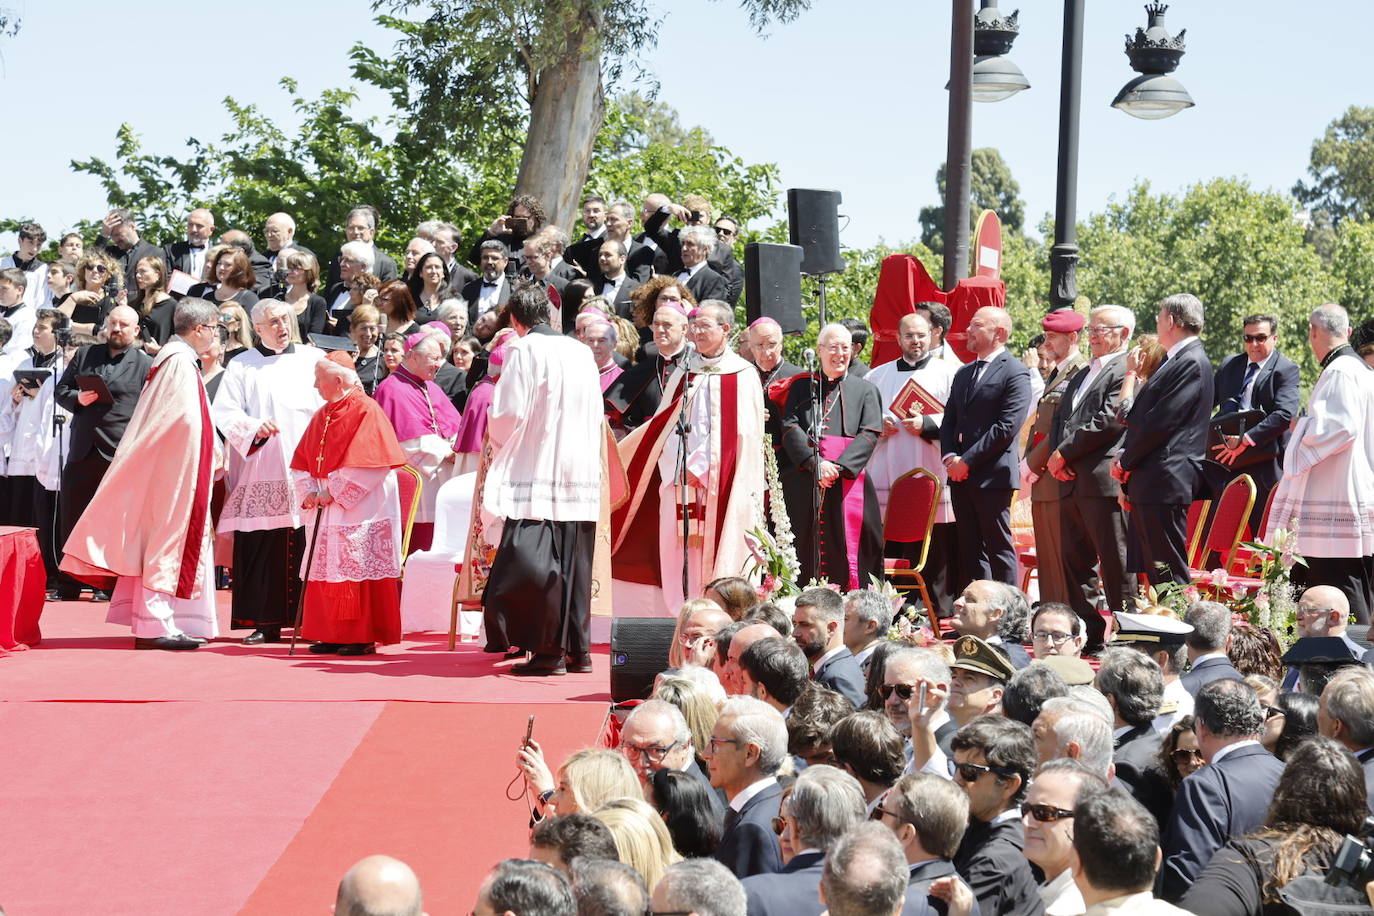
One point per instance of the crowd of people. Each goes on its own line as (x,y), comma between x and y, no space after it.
(208,414)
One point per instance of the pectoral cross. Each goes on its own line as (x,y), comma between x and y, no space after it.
(324,434)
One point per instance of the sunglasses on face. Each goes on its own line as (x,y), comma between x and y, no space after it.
(1045,814)
(903,691)
(970,772)
(98,269)
(1256,338)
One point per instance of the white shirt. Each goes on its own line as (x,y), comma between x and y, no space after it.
(610,288)
(489,297)
(1174,350)
(1095,367)
(688,273)
(198,260)
(1061,896)
(1223,751)
(1245,402)
(745,794)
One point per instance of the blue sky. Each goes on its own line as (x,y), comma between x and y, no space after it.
(850,96)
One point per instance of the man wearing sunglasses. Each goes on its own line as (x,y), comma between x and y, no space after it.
(914,689)
(993,760)
(1263,383)
(1323,611)
(1047,818)
(929,815)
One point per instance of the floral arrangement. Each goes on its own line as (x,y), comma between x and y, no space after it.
(1272,604)
(774,553)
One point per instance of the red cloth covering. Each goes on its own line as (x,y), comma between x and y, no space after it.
(353,612)
(22,579)
(359,436)
(902,282)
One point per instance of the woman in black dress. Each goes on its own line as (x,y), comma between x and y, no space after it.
(365,330)
(427,284)
(398,307)
(302,279)
(154,304)
(102,282)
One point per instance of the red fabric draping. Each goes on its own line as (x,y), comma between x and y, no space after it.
(22,587)
(902,282)
(360,436)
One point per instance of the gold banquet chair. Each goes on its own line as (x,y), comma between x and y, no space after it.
(910,519)
(411,486)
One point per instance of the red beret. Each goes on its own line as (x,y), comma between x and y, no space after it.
(1063,321)
(343,358)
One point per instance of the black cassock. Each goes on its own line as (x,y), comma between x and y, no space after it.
(851,528)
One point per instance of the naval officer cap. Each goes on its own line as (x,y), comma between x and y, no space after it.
(1150,630)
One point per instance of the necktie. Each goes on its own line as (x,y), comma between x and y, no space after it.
(731,819)
(1238,399)
(488,284)
(973,380)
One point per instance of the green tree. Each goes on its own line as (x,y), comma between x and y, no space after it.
(531,66)
(992,188)
(1342,168)
(1352,268)
(1239,250)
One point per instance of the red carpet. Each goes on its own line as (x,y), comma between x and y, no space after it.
(234,779)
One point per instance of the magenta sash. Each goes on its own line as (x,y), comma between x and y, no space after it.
(851,508)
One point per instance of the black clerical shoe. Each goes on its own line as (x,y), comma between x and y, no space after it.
(493,650)
(515,653)
(358,648)
(100,595)
(540,666)
(326,648)
(262,635)
(579,664)
(171,643)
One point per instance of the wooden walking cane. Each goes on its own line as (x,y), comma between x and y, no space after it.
(305,584)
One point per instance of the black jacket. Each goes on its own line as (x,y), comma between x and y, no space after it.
(99,427)
(981,426)
(991,861)
(748,845)
(1166,430)
(1275,391)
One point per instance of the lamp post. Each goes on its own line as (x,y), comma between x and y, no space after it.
(1153,53)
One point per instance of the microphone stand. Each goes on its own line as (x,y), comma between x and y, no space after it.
(58,422)
(817,403)
(684,427)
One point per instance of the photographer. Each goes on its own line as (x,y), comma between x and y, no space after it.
(1320,797)
(523,218)
(119,239)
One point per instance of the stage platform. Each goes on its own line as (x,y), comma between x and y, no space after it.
(236,779)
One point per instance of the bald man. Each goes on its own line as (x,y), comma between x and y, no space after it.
(1323,610)
(379,884)
(188,256)
(978,445)
(95,429)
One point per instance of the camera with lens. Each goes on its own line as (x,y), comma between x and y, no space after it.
(279,277)
(64,336)
(1353,864)
(112,287)
(518,225)
(697,216)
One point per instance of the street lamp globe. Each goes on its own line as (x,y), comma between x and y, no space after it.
(1154,54)
(1152,96)
(996,78)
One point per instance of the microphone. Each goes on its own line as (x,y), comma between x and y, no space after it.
(809,355)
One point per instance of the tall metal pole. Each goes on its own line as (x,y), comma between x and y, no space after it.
(1064,254)
(959,152)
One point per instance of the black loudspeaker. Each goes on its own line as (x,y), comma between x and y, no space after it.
(639,651)
(813,222)
(772,284)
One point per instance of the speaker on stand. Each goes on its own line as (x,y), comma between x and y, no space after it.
(813,223)
(772,285)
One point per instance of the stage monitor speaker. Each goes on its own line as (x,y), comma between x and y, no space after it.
(772,285)
(639,651)
(813,222)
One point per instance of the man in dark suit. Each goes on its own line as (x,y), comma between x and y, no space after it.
(1134,686)
(361,226)
(492,289)
(1346,714)
(639,262)
(824,805)
(748,744)
(120,240)
(655,737)
(1207,661)
(986,407)
(818,628)
(994,758)
(1227,798)
(615,285)
(929,814)
(723,262)
(929,728)
(701,281)
(96,429)
(188,255)
(1260,379)
(1166,433)
(1084,439)
(279,232)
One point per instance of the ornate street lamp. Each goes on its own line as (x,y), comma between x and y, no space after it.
(995,77)
(1154,54)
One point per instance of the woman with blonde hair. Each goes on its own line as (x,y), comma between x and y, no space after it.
(235,319)
(696,707)
(96,274)
(586,780)
(641,837)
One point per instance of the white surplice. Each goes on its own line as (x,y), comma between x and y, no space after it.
(360,531)
(257,388)
(902,451)
(1327,488)
(26,432)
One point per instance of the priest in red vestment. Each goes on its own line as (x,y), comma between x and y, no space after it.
(146,532)
(343,470)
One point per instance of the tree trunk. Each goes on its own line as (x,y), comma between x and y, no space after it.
(565,117)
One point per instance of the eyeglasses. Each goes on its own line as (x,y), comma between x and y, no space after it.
(837,348)
(904,691)
(1054,639)
(1103,329)
(971,772)
(97,269)
(229,319)
(1309,611)
(654,753)
(878,812)
(686,640)
(1272,711)
(779,824)
(1255,338)
(714,742)
(1045,814)
(1185,754)
(721,230)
